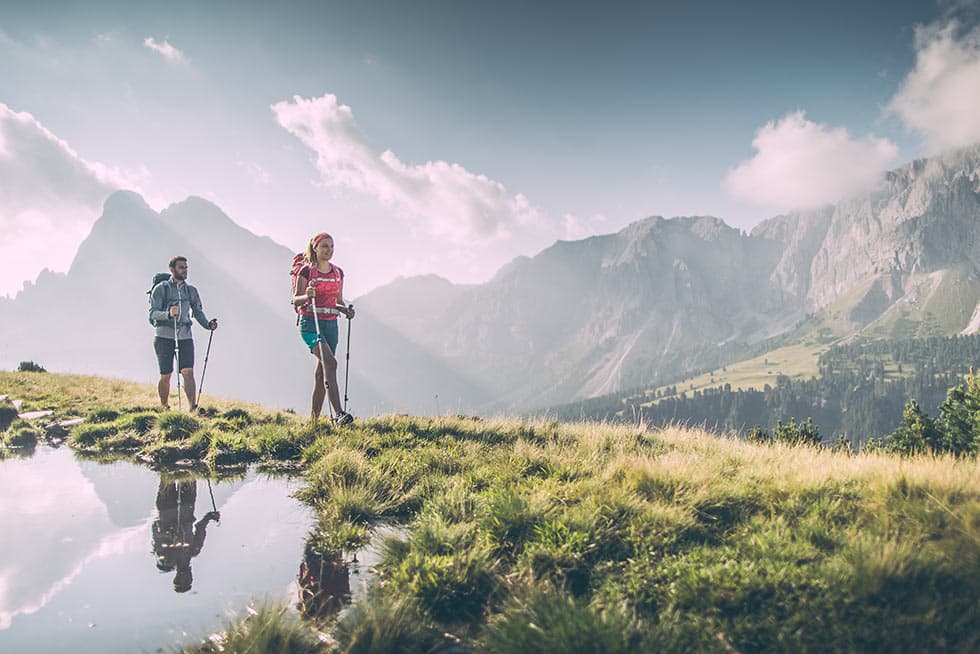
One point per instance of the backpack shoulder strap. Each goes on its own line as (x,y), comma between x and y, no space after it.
(163,286)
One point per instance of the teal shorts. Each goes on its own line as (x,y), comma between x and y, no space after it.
(329,333)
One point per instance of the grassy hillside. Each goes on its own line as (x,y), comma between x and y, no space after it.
(936,304)
(795,361)
(75,396)
(548,537)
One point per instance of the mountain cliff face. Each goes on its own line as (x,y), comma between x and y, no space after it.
(616,311)
(922,219)
(592,316)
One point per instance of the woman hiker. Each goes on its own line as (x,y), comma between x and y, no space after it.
(320,286)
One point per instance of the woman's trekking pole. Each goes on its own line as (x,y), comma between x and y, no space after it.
(323,361)
(200,388)
(350,307)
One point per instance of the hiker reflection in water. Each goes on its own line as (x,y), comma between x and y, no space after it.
(176,537)
(324,584)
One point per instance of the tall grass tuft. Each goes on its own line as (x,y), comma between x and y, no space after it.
(7,415)
(278,442)
(511,516)
(543,620)
(229,449)
(140,423)
(455,585)
(175,426)
(24,436)
(102,414)
(381,624)
(238,417)
(86,434)
(269,629)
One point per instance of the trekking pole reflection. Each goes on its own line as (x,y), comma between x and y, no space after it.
(176,537)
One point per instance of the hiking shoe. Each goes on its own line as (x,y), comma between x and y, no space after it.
(343,418)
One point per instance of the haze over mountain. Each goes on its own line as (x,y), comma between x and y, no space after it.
(579,319)
(93,318)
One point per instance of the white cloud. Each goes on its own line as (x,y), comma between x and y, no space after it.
(255,172)
(444,198)
(169,52)
(49,198)
(800,164)
(940,97)
(575,228)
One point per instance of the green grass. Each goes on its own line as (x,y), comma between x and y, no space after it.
(795,361)
(268,629)
(76,396)
(542,536)
(20,434)
(936,304)
(7,415)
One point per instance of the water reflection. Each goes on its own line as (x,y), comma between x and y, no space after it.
(329,582)
(176,537)
(324,583)
(81,542)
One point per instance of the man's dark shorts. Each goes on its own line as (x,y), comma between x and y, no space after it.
(164,348)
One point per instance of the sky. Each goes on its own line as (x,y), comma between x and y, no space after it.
(449,137)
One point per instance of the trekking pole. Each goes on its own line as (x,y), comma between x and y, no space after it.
(177,356)
(323,361)
(211,492)
(350,307)
(200,388)
(177,348)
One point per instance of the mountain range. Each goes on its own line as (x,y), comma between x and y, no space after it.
(662,297)
(93,319)
(579,319)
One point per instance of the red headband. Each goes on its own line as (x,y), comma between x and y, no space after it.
(319,237)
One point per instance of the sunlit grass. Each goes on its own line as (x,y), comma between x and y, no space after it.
(75,396)
(269,629)
(676,539)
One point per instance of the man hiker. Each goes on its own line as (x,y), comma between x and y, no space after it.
(172,303)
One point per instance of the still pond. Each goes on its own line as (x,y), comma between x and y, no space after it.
(116,557)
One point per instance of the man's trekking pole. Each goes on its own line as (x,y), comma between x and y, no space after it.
(323,361)
(214,507)
(200,388)
(350,307)
(211,492)
(177,356)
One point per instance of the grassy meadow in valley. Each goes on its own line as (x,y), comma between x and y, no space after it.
(541,536)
